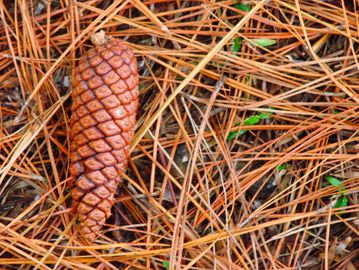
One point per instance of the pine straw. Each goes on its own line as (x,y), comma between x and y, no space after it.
(191,198)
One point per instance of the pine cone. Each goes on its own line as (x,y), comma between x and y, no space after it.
(104,96)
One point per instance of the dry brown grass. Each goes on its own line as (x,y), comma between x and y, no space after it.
(191,198)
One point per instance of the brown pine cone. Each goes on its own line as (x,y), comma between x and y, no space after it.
(104,96)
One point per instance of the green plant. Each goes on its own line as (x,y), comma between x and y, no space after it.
(250,121)
(342,201)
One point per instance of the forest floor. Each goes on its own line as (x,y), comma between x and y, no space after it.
(246,152)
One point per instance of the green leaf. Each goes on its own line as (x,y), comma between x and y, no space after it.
(243,7)
(341,202)
(282,167)
(263,42)
(166,264)
(232,135)
(236,46)
(264,115)
(333,181)
(242,131)
(250,121)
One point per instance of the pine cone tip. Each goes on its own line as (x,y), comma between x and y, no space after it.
(100,38)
